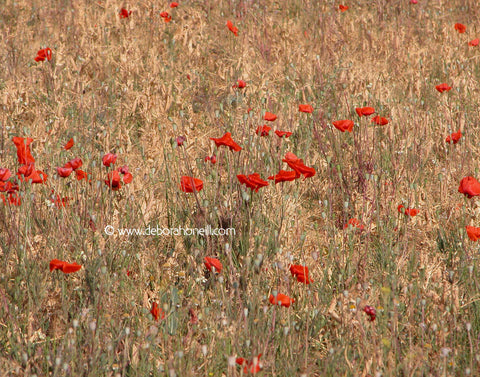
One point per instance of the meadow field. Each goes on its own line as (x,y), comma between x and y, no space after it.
(337,142)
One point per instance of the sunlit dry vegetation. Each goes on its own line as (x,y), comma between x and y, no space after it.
(354,251)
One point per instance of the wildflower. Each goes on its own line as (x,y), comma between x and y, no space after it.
(109,159)
(124,13)
(181,140)
(474,42)
(364,111)
(355,223)
(343,125)
(23,149)
(371,312)
(443,88)
(454,137)
(283,133)
(473,233)
(305,109)
(113,180)
(212,159)
(253,366)
(4,174)
(284,176)
(173,4)
(166,17)
(269,116)
(240,84)
(298,166)
(263,130)
(342,8)
(65,267)
(461,28)
(381,121)
(211,263)
(190,184)
(12,198)
(232,28)
(64,172)
(469,186)
(407,211)
(157,312)
(227,141)
(281,299)
(43,54)
(301,273)
(68,145)
(253,181)
(74,164)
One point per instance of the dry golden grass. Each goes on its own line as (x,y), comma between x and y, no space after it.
(131,86)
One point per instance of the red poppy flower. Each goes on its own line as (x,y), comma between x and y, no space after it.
(157,312)
(212,263)
(371,312)
(281,299)
(43,54)
(227,141)
(365,111)
(269,116)
(113,180)
(109,159)
(413,1)
(65,267)
(343,125)
(190,184)
(283,133)
(461,28)
(212,159)
(301,273)
(60,202)
(23,149)
(31,174)
(284,176)
(297,164)
(127,177)
(355,223)
(474,42)
(80,174)
(305,108)
(74,164)
(64,172)
(173,4)
(69,144)
(181,140)
(240,84)
(253,181)
(263,130)
(166,17)
(473,233)
(469,186)
(454,137)
(232,28)
(408,211)
(254,366)
(343,8)
(381,121)
(443,88)
(8,187)
(4,174)
(124,13)
(12,199)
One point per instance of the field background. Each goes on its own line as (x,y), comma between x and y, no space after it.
(131,86)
